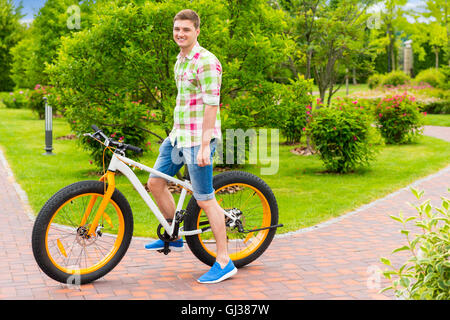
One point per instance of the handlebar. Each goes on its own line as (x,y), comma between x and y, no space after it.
(95,128)
(109,141)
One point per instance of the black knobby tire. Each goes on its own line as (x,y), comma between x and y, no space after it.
(225,180)
(53,205)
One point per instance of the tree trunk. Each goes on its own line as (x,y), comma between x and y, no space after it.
(393,63)
(308,64)
(448,32)
(390,49)
(330,94)
(346,82)
(436,53)
(322,95)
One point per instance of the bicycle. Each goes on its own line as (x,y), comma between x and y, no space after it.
(86,228)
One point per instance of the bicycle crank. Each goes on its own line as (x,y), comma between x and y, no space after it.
(179,216)
(164,236)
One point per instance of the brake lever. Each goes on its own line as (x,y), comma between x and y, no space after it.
(107,140)
(96,138)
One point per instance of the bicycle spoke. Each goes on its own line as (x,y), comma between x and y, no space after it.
(70,246)
(253,213)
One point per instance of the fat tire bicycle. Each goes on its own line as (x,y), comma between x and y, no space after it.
(85,228)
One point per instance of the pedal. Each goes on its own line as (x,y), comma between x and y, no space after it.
(166,249)
(166,252)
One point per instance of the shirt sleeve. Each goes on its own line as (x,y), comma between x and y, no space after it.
(209,75)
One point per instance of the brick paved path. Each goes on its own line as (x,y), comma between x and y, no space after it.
(338,259)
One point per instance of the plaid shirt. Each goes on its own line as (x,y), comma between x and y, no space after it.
(198,77)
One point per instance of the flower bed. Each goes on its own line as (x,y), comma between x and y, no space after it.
(428,99)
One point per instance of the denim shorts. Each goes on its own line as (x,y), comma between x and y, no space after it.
(172,158)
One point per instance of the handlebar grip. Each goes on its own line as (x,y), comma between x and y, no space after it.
(134,149)
(98,131)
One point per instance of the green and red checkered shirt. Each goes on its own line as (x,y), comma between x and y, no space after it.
(198,77)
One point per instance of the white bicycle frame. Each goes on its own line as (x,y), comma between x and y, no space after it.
(122,164)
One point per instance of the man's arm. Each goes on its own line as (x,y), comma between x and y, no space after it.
(209,120)
(210,79)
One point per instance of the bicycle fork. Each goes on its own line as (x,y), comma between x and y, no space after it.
(109,176)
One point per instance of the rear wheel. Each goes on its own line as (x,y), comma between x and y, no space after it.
(252,200)
(61,244)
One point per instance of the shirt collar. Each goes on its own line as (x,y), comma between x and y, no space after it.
(191,54)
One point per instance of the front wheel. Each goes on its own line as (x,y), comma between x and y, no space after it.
(255,204)
(62,245)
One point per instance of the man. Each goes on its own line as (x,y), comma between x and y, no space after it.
(198,75)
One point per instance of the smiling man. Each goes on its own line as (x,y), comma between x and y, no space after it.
(196,129)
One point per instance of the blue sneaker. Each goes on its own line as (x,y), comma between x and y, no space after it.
(176,245)
(217,274)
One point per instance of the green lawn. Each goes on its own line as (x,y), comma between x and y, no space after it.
(305,195)
(442,120)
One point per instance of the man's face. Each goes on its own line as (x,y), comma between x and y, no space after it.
(184,33)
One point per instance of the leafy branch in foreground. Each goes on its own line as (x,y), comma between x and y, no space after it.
(426,274)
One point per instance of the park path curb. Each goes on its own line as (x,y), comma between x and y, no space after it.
(337,259)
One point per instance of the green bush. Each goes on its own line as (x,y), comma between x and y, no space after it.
(236,116)
(240,116)
(434,77)
(426,274)
(437,107)
(398,118)
(294,108)
(375,80)
(342,135)
(36,101)
(366,104)
(16,100)
(396,78)
(435,93)
(266,105)
(129,129)
(445,70)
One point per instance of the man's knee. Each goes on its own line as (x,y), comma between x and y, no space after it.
(155,185)
(207,204)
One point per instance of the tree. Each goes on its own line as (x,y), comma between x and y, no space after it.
(302,15)
(10,34)
(438,39)
(430,34)
(387,36)
(340,35)
(55,19)
(440,11)
(393,18)
(23,73)
(305,13)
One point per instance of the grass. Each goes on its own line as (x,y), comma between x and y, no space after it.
(442,120)
(306,196)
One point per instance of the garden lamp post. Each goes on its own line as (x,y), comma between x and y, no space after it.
(48,128)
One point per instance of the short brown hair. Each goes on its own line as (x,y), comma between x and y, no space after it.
(188,14)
